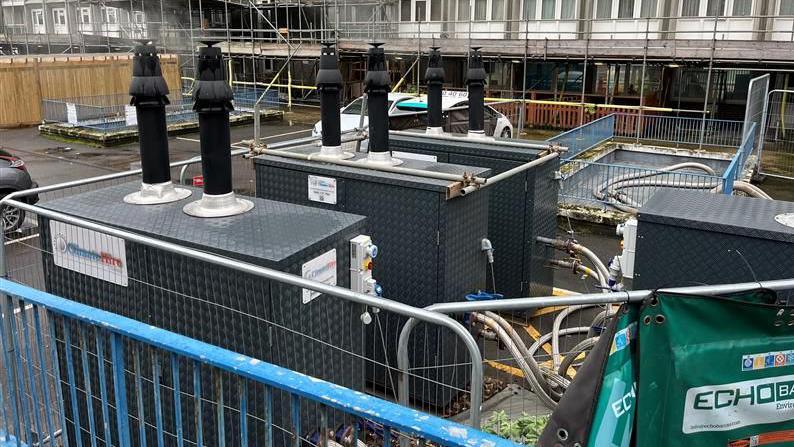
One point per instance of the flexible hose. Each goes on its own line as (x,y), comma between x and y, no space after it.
(569,246)
(556,359)
(574,353)
(546,337)
(519,343)
(540,388)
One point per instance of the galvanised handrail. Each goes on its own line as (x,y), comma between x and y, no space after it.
(119,330)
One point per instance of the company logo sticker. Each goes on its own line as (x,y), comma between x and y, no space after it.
(729,406)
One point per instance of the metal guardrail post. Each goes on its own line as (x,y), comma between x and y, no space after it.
(257,119)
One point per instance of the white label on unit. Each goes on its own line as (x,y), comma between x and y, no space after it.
(89,252)
(71,113)
(322,189)
(322,269)
(131,115)
(410,156)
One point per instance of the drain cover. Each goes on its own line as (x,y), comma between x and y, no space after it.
(786,219)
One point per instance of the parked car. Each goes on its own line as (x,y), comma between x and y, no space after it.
(409,112)
(14,177)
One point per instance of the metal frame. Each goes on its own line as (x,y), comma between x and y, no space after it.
(762,135)
(118,329)
(522,304)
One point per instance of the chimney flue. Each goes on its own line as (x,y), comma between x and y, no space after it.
(434,76)
(475,79)
(148,90)
(376,85)
(329,83)
(213,102)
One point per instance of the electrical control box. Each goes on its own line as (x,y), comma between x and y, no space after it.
(628,231)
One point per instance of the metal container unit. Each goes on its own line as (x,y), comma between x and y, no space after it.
(687,238)
(251,315)
(521,208)
(429,243)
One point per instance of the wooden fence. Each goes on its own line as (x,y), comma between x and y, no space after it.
(542,115)
(26,80)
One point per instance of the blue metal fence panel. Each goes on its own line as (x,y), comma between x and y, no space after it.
(586,137)
(75,322)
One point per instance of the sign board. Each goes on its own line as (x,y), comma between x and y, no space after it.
(322,269)
(410,156)
(130,115)
(198,180)
(89,252)
(322,189)
(71,113)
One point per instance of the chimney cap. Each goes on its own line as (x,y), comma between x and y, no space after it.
(328,43)
(210,42)
(376,44)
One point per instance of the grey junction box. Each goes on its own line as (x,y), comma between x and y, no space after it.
(689,238)
(247,314)
(521,208)
(429,252)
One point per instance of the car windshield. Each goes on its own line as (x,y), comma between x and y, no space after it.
(354,108)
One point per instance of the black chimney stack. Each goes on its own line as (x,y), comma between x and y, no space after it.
(475,79)
(329,83)
(376,85)
(213,102)
(434,76)
(148,90)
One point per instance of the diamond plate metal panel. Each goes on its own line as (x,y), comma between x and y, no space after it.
(687,238)
(236,311)
(521,209)
(430,252)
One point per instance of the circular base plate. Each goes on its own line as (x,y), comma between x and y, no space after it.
(212,208)
(156,195)
(786,219)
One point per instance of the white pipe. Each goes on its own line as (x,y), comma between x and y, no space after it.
(463,138)
(511,172)
(384,167)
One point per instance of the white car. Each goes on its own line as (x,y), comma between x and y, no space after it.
(407,111)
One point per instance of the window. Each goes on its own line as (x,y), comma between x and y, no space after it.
(421,11)
(742,8)
(405,10)
(529,9)
(37,15)
(480,9)
(568,10)
(690,8)
(463,10)
(435,10)
(85,15)
(111,16)
(648,8)
(715,8)
(625,9)
(497,9)
(547,9)
(59,16)
(786,7)
(138,17)
(604,9)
